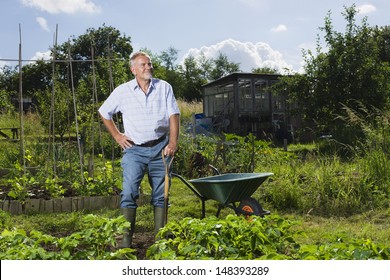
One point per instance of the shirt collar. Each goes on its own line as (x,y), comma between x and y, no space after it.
(134,85)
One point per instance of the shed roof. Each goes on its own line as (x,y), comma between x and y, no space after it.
(237,75)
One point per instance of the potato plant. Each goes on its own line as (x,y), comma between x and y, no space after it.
(96,241)
(240,238)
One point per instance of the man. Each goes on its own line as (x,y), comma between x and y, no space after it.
(151,124)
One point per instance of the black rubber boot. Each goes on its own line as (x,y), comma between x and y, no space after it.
(158,219)
(129,214)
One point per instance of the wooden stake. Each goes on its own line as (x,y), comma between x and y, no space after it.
(76,117)
(21,109)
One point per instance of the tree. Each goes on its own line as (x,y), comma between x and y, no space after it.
(384,43)
(169,57)
(265,70)
(60,113)
(222,67)
(111,51)
(350,73)
(37,77)
(9,79)
(194,79)
(205,66)
(5,102)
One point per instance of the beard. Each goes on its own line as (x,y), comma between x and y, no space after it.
(147,75)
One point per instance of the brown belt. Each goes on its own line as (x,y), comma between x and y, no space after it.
(149,143)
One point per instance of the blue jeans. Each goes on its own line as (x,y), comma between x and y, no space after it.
(136,161)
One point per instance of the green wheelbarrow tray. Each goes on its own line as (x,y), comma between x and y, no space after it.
(228,189)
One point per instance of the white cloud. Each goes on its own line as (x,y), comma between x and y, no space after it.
(43,23)
(42,55)
(63,6)
(248,55)
(366,9)
(279,28)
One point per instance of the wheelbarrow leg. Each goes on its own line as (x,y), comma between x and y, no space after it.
(220,207)
(203,209)
(201,197)
(218,211)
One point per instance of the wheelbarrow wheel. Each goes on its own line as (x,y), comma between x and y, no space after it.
(250,206)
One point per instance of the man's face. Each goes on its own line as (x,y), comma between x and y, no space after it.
(142,68)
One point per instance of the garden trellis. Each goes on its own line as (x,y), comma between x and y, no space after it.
(94,126)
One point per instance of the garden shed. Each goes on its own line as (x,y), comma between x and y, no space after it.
(242,103)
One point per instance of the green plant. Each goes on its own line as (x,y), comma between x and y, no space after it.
(233,237)
(17,245)
(228,153)
(323,186)
(96,241)
(187,109)
(5,102)
(236,237)
(52,186)
(354,249)
(4,219)
(105,182)
(9,155)
(20,184)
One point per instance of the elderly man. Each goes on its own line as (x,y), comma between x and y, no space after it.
(151,125)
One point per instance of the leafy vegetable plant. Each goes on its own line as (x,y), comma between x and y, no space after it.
(240,238)
(95,242)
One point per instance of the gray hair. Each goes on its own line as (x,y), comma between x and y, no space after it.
(134,56)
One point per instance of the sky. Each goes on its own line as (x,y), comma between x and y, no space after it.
(253,33)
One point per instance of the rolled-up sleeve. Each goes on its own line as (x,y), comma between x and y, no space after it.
(109,107)
(172,107)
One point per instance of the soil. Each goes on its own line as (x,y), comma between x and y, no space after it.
(141,242)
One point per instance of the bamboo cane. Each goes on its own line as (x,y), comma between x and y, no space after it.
(21,110)
(76,117)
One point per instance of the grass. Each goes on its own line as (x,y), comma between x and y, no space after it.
(187,109)
(373,225)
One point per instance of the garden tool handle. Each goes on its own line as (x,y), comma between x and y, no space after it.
(166,185)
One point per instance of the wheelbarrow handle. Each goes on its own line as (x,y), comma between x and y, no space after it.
(216,171)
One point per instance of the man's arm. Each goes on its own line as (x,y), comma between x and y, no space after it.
(174,126)
(119,137)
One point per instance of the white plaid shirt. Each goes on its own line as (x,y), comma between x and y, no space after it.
(145,116)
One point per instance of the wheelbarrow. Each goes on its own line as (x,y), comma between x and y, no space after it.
(229,189)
